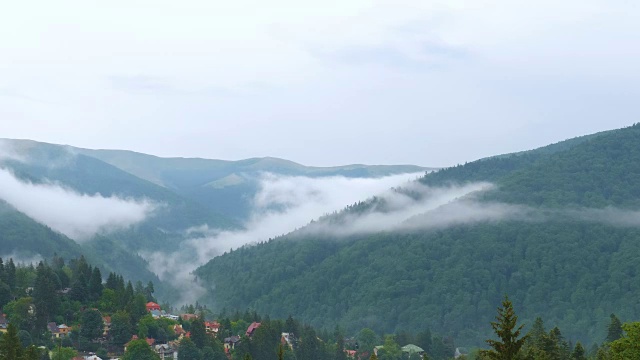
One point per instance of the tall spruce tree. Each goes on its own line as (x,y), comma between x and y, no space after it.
(578,352)
(95,284)
(614,330)
(10,346)
(11,274)
(507,330)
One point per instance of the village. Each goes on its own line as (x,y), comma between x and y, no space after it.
(169,349)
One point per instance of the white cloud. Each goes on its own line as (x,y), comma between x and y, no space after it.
(79,216)
(282,204)
(22,258)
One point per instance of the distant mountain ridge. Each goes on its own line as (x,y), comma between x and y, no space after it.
(223,187)
(185,193)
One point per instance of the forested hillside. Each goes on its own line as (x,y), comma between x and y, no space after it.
(572,270)
(24,238)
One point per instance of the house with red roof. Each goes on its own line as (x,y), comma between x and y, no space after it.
(152,306)
(212,327)
(254,325)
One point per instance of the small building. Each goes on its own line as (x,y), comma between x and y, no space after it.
(152,306)
(55,331)
(250,330)
(179,331)
(287,339)
(412,349)
(212,327)
(170,316)
(106,325)
(230,343)
(188,317)
(64,330)
(165,351)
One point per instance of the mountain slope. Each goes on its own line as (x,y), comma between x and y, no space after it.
(574,270)
(21,235)
(24,238)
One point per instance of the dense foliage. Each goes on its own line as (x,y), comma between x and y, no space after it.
(74,293)
(573,271)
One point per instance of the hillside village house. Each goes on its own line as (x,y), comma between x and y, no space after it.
(188,317)
(58,331)
(151,306)
(230,343)
(212,327)
(106,322)
(254,325)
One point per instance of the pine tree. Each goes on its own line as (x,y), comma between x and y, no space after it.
(510,343)
(112,281)
(578,352)
(45,298)
(614,330)
(10,346)
(95,284)
(79,291)
(340,354)
(537,333)
(198,333)
(3,274)
(11,274)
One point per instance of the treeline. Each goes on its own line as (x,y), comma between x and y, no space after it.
(573,273)
(511,342)
(573,270)
(73,293)
(302,341)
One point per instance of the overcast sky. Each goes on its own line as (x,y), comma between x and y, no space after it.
(319,82)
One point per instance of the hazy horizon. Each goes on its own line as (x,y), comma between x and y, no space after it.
(386,82)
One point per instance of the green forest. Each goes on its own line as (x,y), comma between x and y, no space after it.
(570,270)
(74,295)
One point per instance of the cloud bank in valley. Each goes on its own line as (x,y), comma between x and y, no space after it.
(78,216)
(285,204)
(282,204)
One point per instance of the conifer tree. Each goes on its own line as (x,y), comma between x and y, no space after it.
(11,274)
(95,284)
(578,352)
(510,343)
(10,346)
(614,330)
(340,354)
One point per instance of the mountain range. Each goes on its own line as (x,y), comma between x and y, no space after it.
(112,205)
(555,228)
